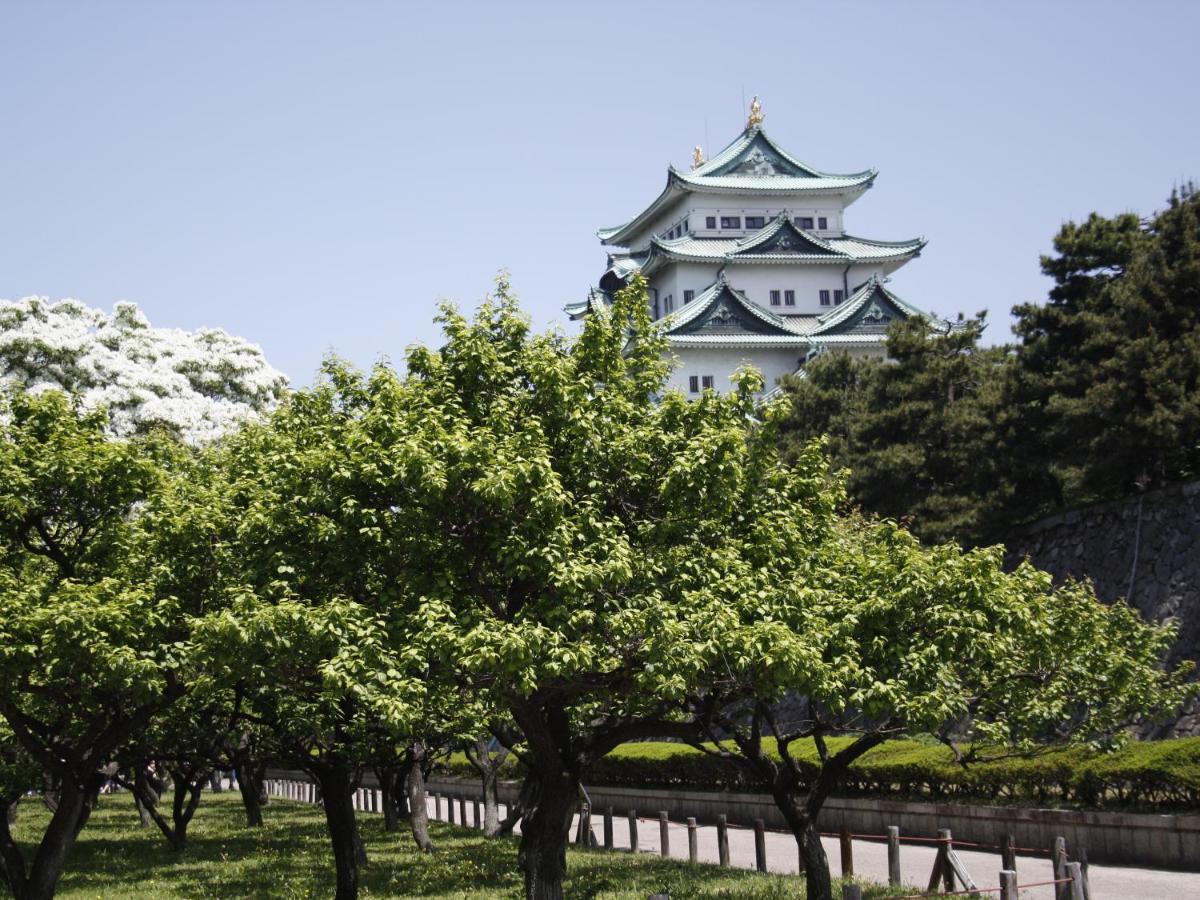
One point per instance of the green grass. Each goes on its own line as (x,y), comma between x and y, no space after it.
(290,858)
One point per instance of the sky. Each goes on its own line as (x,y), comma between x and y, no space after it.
(315,177)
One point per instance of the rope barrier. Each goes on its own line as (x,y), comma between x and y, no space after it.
(932,840)
(987,890)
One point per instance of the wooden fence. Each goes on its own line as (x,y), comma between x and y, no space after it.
(948,877)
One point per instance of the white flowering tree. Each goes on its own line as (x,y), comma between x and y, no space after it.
(198,383)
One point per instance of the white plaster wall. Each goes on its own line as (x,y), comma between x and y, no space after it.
(721,363)
(757,282)
(697,216)
(677,278)
(695,207)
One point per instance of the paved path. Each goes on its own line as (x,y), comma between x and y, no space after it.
(916,861)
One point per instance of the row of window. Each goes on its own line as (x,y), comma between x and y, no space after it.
(697,383)
(735,222)
(788,298)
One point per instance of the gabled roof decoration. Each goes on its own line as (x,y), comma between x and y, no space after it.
(870,309)
(720,309)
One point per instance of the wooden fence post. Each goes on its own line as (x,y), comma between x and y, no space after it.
(1008,856)
(664,835)
(1083,871)
(851,892)
(760,845)
(693,849)
(947,869)
(1059,858)
(437,807)
(585,825)
(893,834)
(847,851)
(475,812)
(1075,873)
(633,841)
(450,808)
(1008,884)
(608,828)
(942,872)
(462,811)
(722,840)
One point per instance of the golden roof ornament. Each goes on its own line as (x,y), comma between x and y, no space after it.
(756,113)
(697,157)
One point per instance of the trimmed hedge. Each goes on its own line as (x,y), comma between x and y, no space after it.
(1158,775)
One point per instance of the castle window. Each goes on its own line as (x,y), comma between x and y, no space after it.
(774,298)
(789,298)
(706,382)
(694,384)
(805,222)
(838,297)
(689,296)
(822,223)
(824,298)
(731,221)
(669,303)
(710,221)
(754,221)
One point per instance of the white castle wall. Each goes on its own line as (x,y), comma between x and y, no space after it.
(721,363)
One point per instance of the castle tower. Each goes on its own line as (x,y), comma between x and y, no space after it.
(748,261)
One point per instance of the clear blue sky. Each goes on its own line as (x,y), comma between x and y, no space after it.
(315,177)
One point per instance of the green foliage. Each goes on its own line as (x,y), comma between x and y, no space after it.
(1109,368)
(916,433)
(87,644)
(1160,775)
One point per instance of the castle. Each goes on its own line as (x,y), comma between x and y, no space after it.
(748,261)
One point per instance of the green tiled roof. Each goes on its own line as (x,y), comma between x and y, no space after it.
(783,242)
(753,153)
(753,164)
(722,308)
(870,308)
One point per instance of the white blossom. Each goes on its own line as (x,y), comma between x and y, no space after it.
(200,383)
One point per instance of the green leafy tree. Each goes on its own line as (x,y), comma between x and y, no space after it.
(586,529)
(324,646)
(862,633)
(91,648)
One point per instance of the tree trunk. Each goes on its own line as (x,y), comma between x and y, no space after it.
(337,789)
(187,798)
(387,791)
(75,804)
(817,878)
(12,863)
(244,769)
(548,797)
(418,811)
(488,766)
(147,792)
(491,804)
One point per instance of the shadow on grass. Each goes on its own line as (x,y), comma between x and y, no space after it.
(290,857)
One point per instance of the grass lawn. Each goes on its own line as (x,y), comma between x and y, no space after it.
(290,858)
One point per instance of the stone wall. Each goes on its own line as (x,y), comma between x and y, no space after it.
(1146,550)
(1168,842)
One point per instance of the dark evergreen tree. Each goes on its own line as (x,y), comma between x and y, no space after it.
(915,432)
(1108,369)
